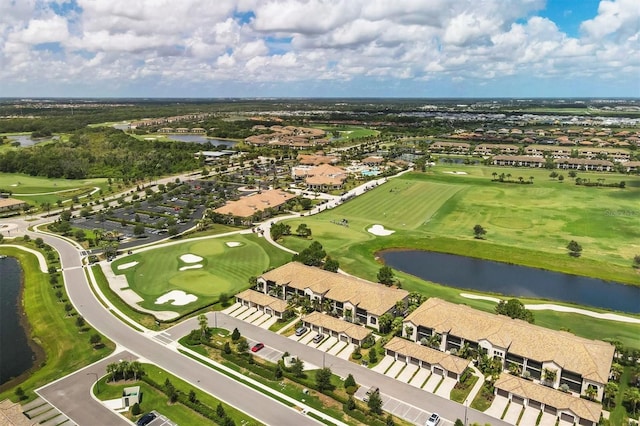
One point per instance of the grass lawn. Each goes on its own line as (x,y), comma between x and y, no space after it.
(153,399)
(36,190)
(224,269)
(349,132)
(527,224)
(619,412)
(65,347)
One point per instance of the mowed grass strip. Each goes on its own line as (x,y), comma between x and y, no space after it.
(224,269)
(65,347)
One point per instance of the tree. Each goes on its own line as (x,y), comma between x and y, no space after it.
(80,235)
(226,348)
(59,295)
(242,345)
(135,409)
(479,232)
(39,242)
(549,375)
(223,298)
(458,422)
(636,260)
(385,275)
(203,323)
(574,248)
(331,265)
(591,392)
(388,421)
(95,340)
(514,308)
(349,381)
(311,256)
(136,369)
(375,403)
(561,177)
(384,322)
(297,367)
(220,411)
(632,397)
(68,307)
(192,396)
(20,393)
(138,229)
(351,403)
(303,231)
(323,379)
(80,321)
(610,391)
(235,335)
(373,356)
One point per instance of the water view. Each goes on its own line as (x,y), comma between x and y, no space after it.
(200,139)
(513,280)
(16,355)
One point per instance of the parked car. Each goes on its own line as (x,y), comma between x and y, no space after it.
(370,391)
(433,420)
(301,330)
(257,347)
(146,419)
(318,338)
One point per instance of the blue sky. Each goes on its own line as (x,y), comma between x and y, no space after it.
(311,48)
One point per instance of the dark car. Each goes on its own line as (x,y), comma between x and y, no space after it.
(257,347)
(146,419)
(301,330)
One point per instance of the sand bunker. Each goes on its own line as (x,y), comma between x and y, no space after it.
(184,268)
(127,265)
(179,298)
(190,258)
(380,231)
(233,244)
(456,173)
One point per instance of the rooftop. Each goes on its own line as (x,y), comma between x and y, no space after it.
(262,299)
(432,356)
(251,204)
(328,322)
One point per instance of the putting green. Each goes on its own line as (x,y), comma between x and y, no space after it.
(223,269)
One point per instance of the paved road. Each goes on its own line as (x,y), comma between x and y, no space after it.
(404,392)
(251,402)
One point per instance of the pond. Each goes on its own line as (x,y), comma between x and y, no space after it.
(200,139)
(26,140)
(17,356)
(514,280)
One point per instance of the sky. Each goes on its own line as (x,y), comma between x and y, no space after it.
(320,48)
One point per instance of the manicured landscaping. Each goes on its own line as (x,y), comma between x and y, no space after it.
(221,265)
(37,190)
(66,347)
(155,399)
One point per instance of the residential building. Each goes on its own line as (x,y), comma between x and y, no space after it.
(331,326)
(325,177)
(450,147)
(584,164)
(11,204)
(347,297)
(490,148)
(577,362)
(256,206)
(262,302)
(518,161)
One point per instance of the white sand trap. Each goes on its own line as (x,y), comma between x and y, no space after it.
(190,258)
(233,244)
(456,173)
(179,298)
(184,268)
(127,265)
(380,231)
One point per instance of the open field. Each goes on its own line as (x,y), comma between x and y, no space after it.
(36,190)
(349,132)
(219,266)
(526,224)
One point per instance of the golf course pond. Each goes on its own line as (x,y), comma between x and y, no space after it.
(513,280)
(17,356)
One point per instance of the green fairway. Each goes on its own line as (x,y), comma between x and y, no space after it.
(222,265)
(36,190)
(349,132)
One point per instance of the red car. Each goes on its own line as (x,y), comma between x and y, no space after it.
(257,347)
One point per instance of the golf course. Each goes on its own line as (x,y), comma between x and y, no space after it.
(36,190)
(194,273)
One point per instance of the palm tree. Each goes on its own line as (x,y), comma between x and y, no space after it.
(494,174)
(112,371)
(610,391)
(632,396)
(521,179)
(531,179)
(591,392)
(203,324)
(124,368)
(549,375)
(508,176)
(434,340)
(136,368)
(616,371)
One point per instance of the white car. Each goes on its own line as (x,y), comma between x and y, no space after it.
(433,420)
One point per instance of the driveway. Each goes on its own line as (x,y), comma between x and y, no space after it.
(497,407)
(529,417)
(444,390)
(432,383)
(328,344)
(420,377)
(407,373)
(335,349)
(384,364)
(547,420)
(395,369)
(513,413)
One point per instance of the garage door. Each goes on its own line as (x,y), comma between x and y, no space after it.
(268,311)
(585,422)
(391,353)
(402,358)
(535,404)
(438,371)
(504,393)
(567,417)
(550,410)
(452,375)
(415,361)
(517,399)
(344,338)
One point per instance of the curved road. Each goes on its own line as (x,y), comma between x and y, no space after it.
(251,402)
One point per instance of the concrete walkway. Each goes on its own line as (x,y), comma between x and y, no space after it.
(42,262)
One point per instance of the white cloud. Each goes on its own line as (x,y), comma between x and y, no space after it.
(195,41)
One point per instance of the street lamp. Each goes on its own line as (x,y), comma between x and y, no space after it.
(465,412)
(97,382)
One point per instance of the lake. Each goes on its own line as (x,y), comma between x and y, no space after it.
(16,356)
(200,139)
(513,280)
(25,140)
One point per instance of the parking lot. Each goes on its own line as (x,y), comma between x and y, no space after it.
(416,376)
(161,421)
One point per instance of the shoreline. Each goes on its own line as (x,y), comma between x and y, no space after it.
(38,356)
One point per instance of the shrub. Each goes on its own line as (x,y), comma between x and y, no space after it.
(349,381)
(351,390)
(135,409)
(235,335)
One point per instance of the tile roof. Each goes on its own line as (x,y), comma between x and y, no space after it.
(11,203)
(374,298)
(590,358)
(328,322)
(262,299)
(247,206)
(548,396)
(432,356)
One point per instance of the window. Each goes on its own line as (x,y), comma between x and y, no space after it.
(373,320)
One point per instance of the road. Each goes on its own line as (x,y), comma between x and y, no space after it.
(251,402)
(404,392)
